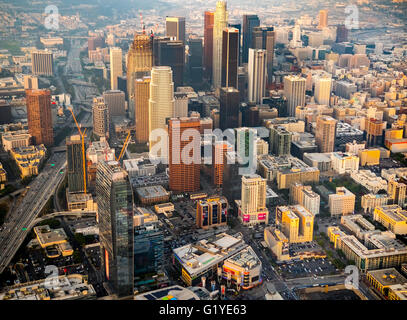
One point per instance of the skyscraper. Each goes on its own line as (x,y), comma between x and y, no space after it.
(114,198)
(76,168)
(101,117)
(323,87)
(294,91)
(175,28)
(229,108)
(208,43)
(323,19)
(195,61)
(252,208)
(220,23)
(42,63)
(171,53)
(142,96)
(230,55)
(341,33)
(245,143)
(249,22)
(115,101)
(39,116)
(325,133)
(219,150)
(257,74)
(139,64)
(116,66)
(238,26)
(264,38)
(280,141)
(161,102)
(184,167)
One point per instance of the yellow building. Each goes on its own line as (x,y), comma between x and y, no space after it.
(369,157)
(393,217)
(28,159)
(54,241)
(296,222)
(383,279)
(278,243)
(398,292)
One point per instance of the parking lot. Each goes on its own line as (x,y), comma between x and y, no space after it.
(306,268)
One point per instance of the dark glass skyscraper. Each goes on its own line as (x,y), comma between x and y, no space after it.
(229,108)
(114,198)
(195,61)
(238,26)
(230,55)
(76,165)
(249,22)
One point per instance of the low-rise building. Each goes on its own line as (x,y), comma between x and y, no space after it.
(384,280)
(369,180)
(15,139)
(393,217)
(164,207)
(211,212)
(322,161)
(369,157)
(152,195)
(344,162)
(53,241)
(28,159)
(370,201)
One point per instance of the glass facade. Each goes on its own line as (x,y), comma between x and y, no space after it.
(115,211)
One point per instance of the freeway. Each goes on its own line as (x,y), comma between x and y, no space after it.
(16,228)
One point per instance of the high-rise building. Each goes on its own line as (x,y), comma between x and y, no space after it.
(181,104)
(30,82)
(323,86)
(122,86)
(250,21)
(220,22)
(219,150)
(211,212)
(342,202)
(101,117)
(76,164)
(142,96)
(175,28)
(280,140)
(238,26)
(184,168)
(252,207)
(303,195)
(115,101)
(374,131)
(294,91)
(161,102)
(208,43)
(148,244)
(257,74)
(229,108)
(264,38)
(195,61)
(42,63)
(246,147)
(39,116)
(396,189)
(296,222)
(171,53)
(325,133)
(139,64)
(230,56)
(116,66)
(323,19)
(114,197)
(341,33)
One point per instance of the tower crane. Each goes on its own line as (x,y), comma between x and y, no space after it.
(126,143)
(82,135)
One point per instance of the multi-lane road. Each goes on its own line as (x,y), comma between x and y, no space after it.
(27,210)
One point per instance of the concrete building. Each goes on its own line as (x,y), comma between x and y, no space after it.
(303,195)
(325,133)
(296,222)
(257,75)
(369,180)
(322,161)
(141,109)
(344,163)
(15,139)
(397,191)
(370,201)
(116,66)
(280,141)
(252,207)
(115,101)
(294,91)
(28,159)
(323,86)
(101,117)
(342,202)
(219,24)
(392,217)
(42,63)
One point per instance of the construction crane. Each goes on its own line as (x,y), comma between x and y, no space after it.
(82,135)
(143,27)
(126,143)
